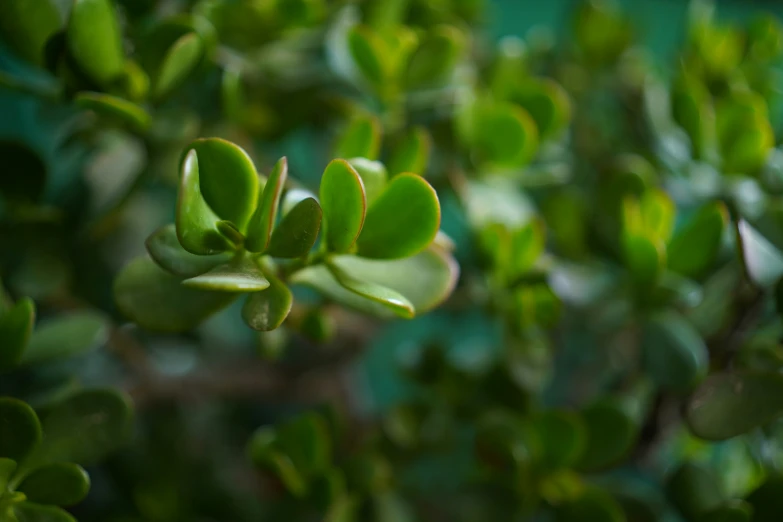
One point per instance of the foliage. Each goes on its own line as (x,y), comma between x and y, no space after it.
(578,254)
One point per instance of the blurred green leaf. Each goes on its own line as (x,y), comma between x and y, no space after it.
(20,430)
(164,248)
(763,261)
(57,484)
(411,153)
(114,107)
(547,103)
(693,111)
(66,335)
(595,505)
(16,326)
(563,437)
(611,433)
(28,26)
(297,232)
(732,511)
(242,274)
(767,500)
(436,56)
(360,139)
(695,245)
(644,256)
(694,490)
(504,135)
(266,310)
(95,40)
(391,299)
(180,59)
(674,354)
(27,512)
(25,172)
(367,51)
(259,232)
(7,468)
(344,205)
(374,177)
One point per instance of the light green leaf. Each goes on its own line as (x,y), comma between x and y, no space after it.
(7,468)
(412,152)
(58,484)
(95,41)
(155,299)
(547,103)
(297,232)
(266,310)
(242,274)
(360,139)
(344,205)
(28,512)
(196,222)
(402,221)
(730,404)
(20,430)
(526,246)
(694,247)
(115,108)
(16,325)
(180,59)
(694,489)
(437,55)
(394,301)
(645,258)
(374,177)
(228,179)
(261,224)
(367,51)
(763,262)
(504,135)
(164,248)
(66,335)
(674,354)
(611,433)
(27,26)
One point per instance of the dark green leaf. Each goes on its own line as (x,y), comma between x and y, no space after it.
(763,262)
(66,335)
(95,40)
(266,310)
(675,355)
(367,52)
(20,431)
(265,452)
(374,177)
(547,103)
(611,433)
(563,438)
(27,26)
(115,108)
(242,274)
(436,57)
(694,490)
(261,224)
(594,505)
(412,152)
(7,468)
(24,175)
(693,111)
(228,179)
(344,205)
(694,247)
(402,221)
(58,484)
(732,511)
(28,512)
(180,60)
(196,222)
(297,232)
(163,246)
(305,439)
(394,301)
(730,404)
(16,325)
(155,299)
(360,139)
(767,500)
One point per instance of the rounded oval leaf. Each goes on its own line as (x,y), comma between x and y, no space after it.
(374,177)
(694,490)
(179,61)
(674,354)
(504,135)
(66,335)
(412,152)
(366,49)
(344,205)
(547,103)
(694,247)
(164,248)
(58,484)
(563,437)
(95,41)
(16,326)
(611,433)
(239,275)
(115,108)
(436,56)
(259,231)
(360,139)
(391,299)
(20,430)
(403,221)
(266,310)
(297,232)
(27,26)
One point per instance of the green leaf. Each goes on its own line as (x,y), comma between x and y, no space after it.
(305,439)
(611,433)
(164,248)
(594,505)
(374,177)
(28,512)
(344,205)
(391,299)
(547,103)
(674,354)
(505,135)
(563,437)
(436,56)
(20,430)
(66,335)
(645,258)
(730,404)
(155,299)
(263,220)
(114,108)
(28,26)
(228,179)
(526,246)
(412,152)
(7,468)
(59,484)
(232,95)
(242,274)
(16,325)
(366,49)
(264,451)
(693,111)
(767,500)
(694,247)
(403,221)
(360,139)
(694,490)
(297,232)
(25,172)
(181,58)
(763,262)
(266,310)
(426,279)
(95,41)
(732,511)
(83,428)
(196,222)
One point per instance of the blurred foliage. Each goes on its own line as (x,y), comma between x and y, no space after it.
(351,261)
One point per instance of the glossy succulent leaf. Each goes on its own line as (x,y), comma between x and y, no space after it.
(259,231)
(763,261)
(425,280)
(164,248)
(29,512)
(66,335)
(297,232)
(178,63)
(20,430)
(436,56)
(412,152)
(374,177)
(266,310)
(115,108)
(384,296)
(563,437)
(228,179)
(403,221)
(238,275)
(27,26)
(694,489)
(730,404)
(196,222)
(360,139)
(611,433)
(344,205)
(156,300)
(58,484)
(95,40)
(16,325)
(693,248)
(674,354)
